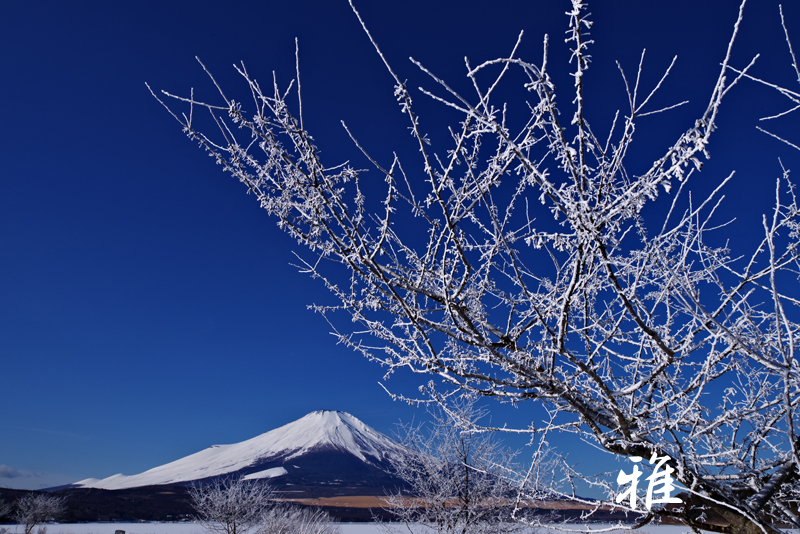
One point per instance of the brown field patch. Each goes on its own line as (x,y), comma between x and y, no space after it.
(354,501)
(369,501)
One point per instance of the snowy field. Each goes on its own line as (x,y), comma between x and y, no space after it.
(344,528)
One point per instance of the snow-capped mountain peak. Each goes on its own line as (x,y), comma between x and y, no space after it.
(269,455)
(331,428)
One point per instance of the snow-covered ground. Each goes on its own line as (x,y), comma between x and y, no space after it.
(344,528)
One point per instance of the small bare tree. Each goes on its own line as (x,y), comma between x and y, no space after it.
(36,508)
(237,506)
(5,509)
(532,267)
(460,480)
(231,505)
(288,519)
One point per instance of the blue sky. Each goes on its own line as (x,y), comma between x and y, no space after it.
(148,308)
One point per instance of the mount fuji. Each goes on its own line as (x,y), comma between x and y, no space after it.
(325,453)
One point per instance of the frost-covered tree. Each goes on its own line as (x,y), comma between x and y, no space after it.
(36,508)
(459,480)
(534,267)
(231,505)
(287,519)
(237,506)
(5,509)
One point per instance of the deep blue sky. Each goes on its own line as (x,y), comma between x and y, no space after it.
(147,306)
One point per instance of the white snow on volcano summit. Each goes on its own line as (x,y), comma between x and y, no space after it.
(316,430)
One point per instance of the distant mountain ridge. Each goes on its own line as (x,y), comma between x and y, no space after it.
(324,453)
